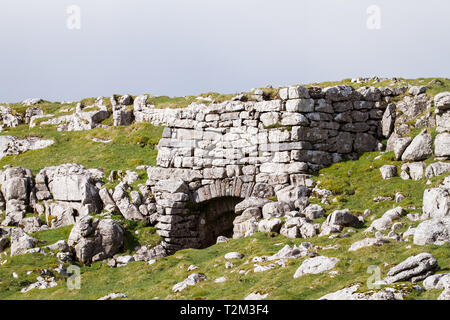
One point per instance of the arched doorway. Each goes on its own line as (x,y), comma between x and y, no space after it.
(216,218)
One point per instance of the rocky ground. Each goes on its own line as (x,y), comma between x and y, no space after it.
(77,199)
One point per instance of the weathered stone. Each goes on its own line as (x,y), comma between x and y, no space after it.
(21,242)
(442,145)
(434,231)
(95,240)
(419,149)
(437,169)
(415,268)
(270,225)
(387,123)
(436,203)
(276,209)
(388,171)
(316,265)
(314,211)
(292,193)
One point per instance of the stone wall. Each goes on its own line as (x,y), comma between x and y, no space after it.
(254,149)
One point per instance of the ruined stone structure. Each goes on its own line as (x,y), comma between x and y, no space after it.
(236,150)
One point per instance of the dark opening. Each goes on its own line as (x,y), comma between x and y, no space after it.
(216,219)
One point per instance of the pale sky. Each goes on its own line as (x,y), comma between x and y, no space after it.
(183,47)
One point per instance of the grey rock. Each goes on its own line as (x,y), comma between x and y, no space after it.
(316,265)
(191,280)
(437,281)
(436,203)
(251,202)
(419,149)
(354,293)
(388,171)
(233,255)
(113,296)
(21,242)
(415,268)
(434,231)
(270,225)
(437,169)
(368,242)
(95,240)
(314,211)
(276,209)
(442,145)
(388,121)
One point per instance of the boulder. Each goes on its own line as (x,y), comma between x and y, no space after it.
(251,202)
(21,242)
(442,145)
(246,224)
(314,211)
(437,281)
(233,255)
(10,145)
(191,280)
(276,209)
(316,265)
(398,145)
(387,123)
(442,101)
(128,210)
(437,169)
(270,225)
(385,222)
(388,171)
(436,203)
(95,240)
(412,106)
(368,242)
(354,293)
(31,224)
(420,148)
(434,231)
(61,213)
(415,268)
(294,252)
(413,170)
(337,220)
(292,193)
(416,90)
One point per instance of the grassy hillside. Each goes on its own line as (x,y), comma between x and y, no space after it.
(138,280)
(131,146)
(354,183)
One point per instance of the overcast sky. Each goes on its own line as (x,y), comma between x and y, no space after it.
(183,47)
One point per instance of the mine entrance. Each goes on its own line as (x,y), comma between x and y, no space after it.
(216,219)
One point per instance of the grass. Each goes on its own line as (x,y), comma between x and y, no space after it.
(354,183)
(357,191)
(131,146)
(138,280)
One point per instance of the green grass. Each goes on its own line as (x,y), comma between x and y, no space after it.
(365,183)
(139,280)
(131,146)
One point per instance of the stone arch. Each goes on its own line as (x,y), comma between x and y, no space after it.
(215,218)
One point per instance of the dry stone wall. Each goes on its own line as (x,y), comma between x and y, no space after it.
(237,149)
